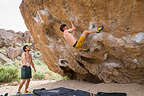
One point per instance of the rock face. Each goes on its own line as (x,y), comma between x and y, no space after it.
(10,38)
(116,54)
(6,38)
(12,53)
(4,58)
(11,43)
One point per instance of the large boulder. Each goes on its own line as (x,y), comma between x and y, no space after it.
(2,43)
(6,38)
(12,53)
(10,38)
(4,58)
(116,54)
(27,37)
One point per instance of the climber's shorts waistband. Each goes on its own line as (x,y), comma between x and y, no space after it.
(75,44)
(79,43)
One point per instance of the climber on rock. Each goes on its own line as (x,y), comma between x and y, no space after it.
(69,32)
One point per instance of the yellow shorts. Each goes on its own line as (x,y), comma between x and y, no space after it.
(79,43)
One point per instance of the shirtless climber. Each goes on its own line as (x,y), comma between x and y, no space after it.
(26,69)
(68,35)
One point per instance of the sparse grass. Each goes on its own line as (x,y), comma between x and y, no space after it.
(11,71)
(66,78)
(42,68)
(38,76)
(53,76)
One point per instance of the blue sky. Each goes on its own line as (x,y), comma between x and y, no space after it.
(10,16)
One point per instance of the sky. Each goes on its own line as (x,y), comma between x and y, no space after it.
(10,16)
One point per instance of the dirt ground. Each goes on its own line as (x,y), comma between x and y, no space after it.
(130,89)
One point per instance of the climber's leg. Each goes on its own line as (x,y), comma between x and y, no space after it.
(97,30)
(80,42)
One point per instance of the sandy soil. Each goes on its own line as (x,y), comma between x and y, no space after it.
(130,89)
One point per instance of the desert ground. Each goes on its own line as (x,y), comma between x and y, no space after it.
(130,89)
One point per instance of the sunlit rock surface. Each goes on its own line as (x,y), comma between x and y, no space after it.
(116,54)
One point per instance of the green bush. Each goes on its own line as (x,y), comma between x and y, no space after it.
(66,78)
(29,44)
(38,76)
(38,62)
(8,74)
(15,63)
(42,68)
(37,54)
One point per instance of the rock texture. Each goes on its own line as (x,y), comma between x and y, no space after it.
(9,38)
(12,53)
(11,44)
(4,58)
(116,54)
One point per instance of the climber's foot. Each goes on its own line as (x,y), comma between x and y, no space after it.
(85,50)
(99,28)
(28,92)
(18,93)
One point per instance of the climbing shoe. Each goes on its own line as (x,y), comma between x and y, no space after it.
(85,50)
(99,28)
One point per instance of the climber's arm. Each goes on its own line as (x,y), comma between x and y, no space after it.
(73,27)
